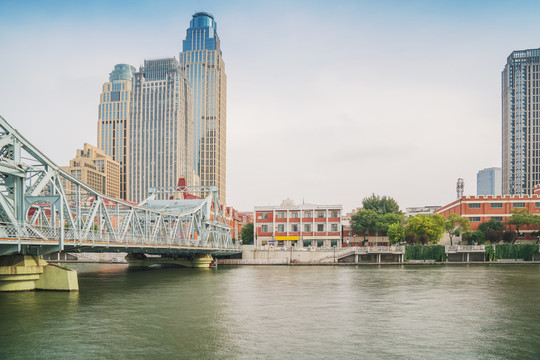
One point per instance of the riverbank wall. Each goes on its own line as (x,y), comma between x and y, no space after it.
(473,254)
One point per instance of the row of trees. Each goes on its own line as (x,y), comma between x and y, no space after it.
(495,231)
(382,216)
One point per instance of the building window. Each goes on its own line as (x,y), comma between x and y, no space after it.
(474,219)
(519,205)
(496,218)
(537,204)
(320,214)
(334,227)
(264,216)
(264,228)
(308,214)
(334,213)
(294,215)
(294,227)
(281,228)
(281,214)
(307,227)
(496,205)
(474,206)
(320,227)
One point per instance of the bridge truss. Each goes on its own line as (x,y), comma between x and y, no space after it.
(44,209)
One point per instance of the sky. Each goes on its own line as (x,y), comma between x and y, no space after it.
(328,102)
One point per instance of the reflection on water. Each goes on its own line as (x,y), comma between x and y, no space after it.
(300,312)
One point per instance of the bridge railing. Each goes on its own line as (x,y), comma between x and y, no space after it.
(10,233)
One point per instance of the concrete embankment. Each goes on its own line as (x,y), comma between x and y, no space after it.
(390,255)
(283,256)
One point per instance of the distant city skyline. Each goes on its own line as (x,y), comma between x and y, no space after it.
(326,103)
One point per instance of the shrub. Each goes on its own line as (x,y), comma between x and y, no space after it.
(421,252)
(509,236)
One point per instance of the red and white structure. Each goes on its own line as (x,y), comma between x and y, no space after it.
(304,225)
(480,209)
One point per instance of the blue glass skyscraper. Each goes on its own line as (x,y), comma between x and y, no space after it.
(202,62)
(488,182)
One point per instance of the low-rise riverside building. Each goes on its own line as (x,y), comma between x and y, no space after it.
(480,209)
(305,225)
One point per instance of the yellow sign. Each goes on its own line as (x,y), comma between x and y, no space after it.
(287,238)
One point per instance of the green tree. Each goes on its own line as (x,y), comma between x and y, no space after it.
(364,221)
(247,234)
(491,225)
(381,205)
(520,218)
(396,233)
(384,221)
(472,237)
(493,230)
(427,227)
(509,236)
(454,225)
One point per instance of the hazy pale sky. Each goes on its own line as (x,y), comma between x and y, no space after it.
(327,101)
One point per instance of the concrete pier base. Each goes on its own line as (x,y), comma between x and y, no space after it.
(141,260)
(26,272)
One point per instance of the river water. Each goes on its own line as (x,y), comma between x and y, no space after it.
(280,312)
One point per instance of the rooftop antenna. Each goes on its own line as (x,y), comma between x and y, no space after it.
(459,187)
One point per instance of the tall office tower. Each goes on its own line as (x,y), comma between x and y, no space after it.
(521,122)
(114,117)
(488,182)
(160,143)
(202,62)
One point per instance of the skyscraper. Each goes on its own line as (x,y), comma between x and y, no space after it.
(202,62)
(521,122)
(160,130)
(113,119)
(488,182)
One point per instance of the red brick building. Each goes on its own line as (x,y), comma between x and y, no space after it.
(480,209)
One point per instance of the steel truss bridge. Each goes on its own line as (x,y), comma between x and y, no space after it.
(43,209)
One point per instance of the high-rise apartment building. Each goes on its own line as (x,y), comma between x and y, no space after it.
(521,122)
(488,182)
(96,169)
(114,107)
(202,62)
(160,140)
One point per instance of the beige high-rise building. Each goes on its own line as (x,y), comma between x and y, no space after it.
(113,123)
(96,169)
(202,62)
(160,138)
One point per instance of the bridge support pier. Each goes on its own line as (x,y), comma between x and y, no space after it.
(197,261)
(27,272)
